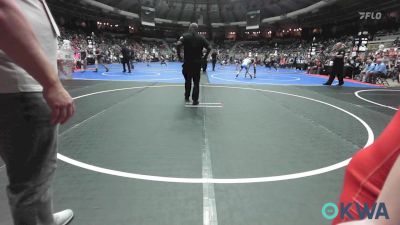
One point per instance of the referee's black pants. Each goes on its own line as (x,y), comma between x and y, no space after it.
(126,62)
(191,71)
(214,62)
(337,71)
(332,78)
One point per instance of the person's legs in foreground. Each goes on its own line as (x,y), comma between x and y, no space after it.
(28,146)
(30,109)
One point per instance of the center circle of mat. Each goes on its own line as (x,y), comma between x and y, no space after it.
(219,76)
(216,180)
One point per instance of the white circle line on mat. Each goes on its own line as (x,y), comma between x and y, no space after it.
(279,84)
(255,79)
(357,93)
(218,180)
(137,80)
(121,74)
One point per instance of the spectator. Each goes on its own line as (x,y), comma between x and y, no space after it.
(369,66)
(28,126)
(397,42)
(379,70)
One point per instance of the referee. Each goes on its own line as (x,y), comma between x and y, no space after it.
(214,56)
(338,64)
(126,56)
(193,45)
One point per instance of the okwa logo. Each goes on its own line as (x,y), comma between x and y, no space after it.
(377,211)
(370,15)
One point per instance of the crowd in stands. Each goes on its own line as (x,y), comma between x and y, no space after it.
(312,56)
(110,46)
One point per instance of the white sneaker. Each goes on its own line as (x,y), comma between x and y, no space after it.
(63,217)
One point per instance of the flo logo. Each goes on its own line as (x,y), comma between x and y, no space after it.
(370,15)
(377,211)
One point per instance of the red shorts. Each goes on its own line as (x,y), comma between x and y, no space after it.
(368,170)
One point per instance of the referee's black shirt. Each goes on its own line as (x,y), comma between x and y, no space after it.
(193,45)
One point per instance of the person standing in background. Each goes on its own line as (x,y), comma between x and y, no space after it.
(132,57)
(99,59)
(338,64)
(36,102)
(126,55)
(204,65)
(214,56)
(83,59)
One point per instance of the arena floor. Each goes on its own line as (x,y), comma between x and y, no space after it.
(269,151)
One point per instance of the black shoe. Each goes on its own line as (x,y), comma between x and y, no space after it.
(327,84)
(124,71)
(187,99)
(107,70)
(340,84)
(196,102)
(129,72)
(96,70)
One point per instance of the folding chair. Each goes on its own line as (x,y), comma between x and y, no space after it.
(381,79)
(394,74)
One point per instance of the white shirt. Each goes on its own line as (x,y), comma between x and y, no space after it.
(14,79)
(246,62)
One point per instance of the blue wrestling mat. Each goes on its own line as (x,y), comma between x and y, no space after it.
(172,73)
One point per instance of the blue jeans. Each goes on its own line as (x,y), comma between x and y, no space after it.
(28,146)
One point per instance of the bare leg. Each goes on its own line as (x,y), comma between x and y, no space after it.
(247,72)
(239,72)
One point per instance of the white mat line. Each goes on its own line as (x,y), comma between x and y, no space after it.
(209,203)
(207,103)
(210,103)
(203,106)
